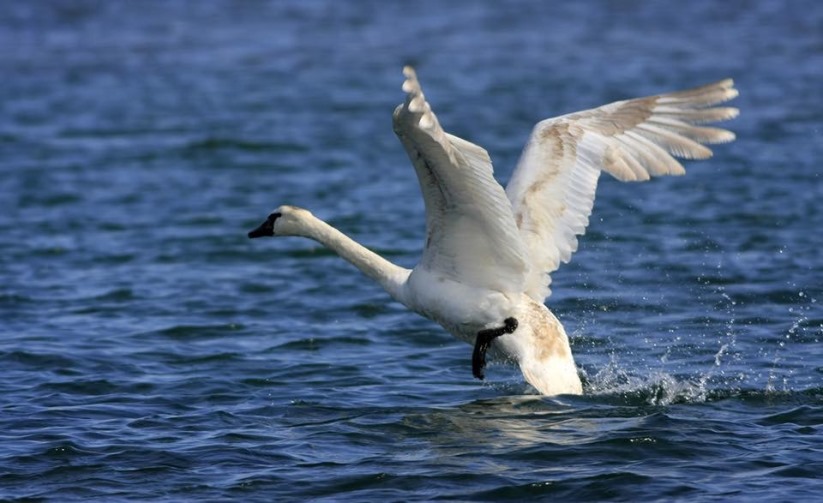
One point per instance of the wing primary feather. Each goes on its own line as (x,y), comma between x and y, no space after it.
(676,144)
(696,115)
(700,134)
(702,96)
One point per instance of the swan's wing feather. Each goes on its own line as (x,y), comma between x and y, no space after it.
(471,236)
(552,189)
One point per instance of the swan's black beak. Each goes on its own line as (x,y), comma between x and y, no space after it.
(266,228)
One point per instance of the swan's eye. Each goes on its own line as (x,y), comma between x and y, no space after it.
(274,216)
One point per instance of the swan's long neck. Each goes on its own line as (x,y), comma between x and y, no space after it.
(390,276)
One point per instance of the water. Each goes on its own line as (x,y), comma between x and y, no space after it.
(149,351)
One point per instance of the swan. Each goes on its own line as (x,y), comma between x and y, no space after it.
(484,273)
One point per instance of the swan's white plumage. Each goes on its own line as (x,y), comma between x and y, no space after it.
(553,187)
(470,232)
(489,252)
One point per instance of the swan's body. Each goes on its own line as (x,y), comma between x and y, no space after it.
(484,271)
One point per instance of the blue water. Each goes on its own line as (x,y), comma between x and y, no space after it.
(150,351)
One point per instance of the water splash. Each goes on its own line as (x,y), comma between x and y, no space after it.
(657,388)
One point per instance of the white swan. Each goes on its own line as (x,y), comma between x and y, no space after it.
(484,273)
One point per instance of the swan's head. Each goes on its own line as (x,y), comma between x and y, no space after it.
(284,221)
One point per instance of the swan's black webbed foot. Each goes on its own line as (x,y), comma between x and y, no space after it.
(484,340)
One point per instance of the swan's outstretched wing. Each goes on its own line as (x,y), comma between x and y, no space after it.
(471,236)
(552,189)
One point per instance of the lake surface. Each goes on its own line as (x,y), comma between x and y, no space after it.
(150,351)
